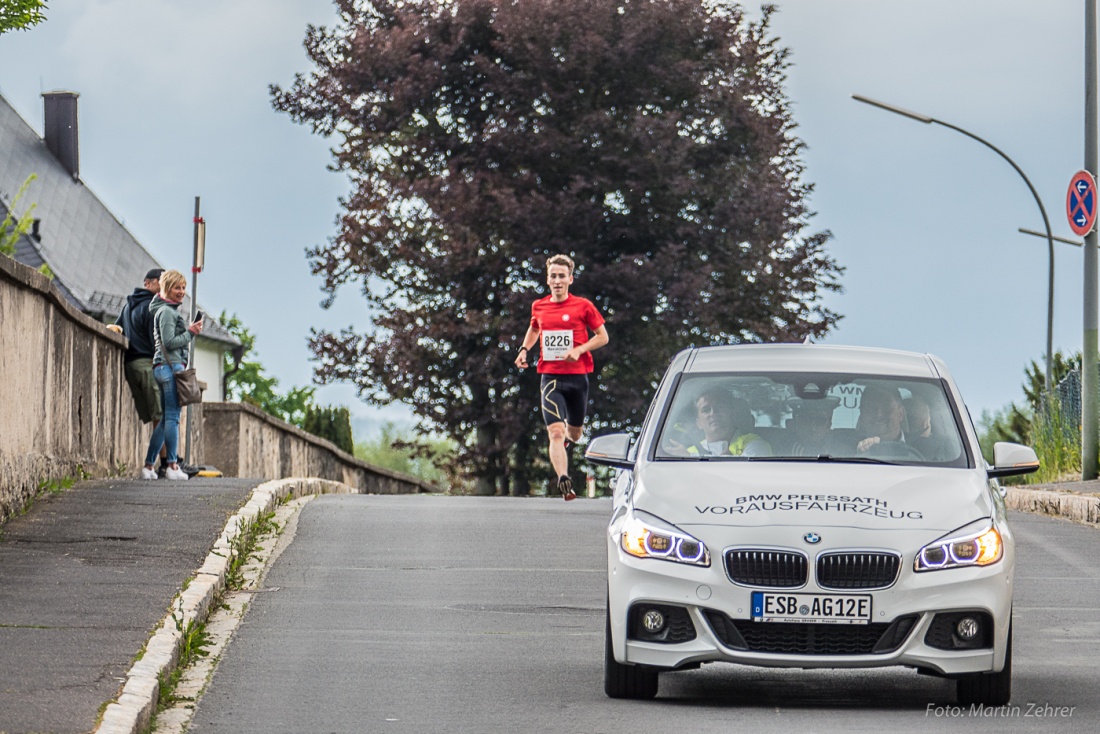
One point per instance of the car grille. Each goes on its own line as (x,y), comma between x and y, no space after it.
(857,570)
(810,639)
(776,569)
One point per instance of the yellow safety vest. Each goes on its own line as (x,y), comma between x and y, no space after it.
(737,446)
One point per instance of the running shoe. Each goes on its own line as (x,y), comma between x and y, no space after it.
(565,486)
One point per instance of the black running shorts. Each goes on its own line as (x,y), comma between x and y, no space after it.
(564,399)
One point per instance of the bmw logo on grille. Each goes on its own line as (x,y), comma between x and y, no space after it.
(812,538)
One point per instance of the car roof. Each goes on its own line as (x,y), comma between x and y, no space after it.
(811,358)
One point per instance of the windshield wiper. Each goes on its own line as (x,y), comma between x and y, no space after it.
(820,458)
(824,458)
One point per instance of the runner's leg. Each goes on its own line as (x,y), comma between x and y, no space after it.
(558,458)
(554,413)
(576,406)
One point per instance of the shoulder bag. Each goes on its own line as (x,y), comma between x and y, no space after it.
(188,391)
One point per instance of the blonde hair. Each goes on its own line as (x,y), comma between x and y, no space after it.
(561,260)
(170,279)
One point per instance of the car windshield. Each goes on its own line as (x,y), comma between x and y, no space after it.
(811,417)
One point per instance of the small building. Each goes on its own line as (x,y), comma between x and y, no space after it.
(95,261)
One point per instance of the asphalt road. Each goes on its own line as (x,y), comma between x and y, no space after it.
(433,614)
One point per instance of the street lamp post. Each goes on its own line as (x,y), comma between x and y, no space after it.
(1042,210)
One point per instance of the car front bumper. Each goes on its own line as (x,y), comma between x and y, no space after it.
(699,590)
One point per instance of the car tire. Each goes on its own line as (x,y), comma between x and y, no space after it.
(625,681)
(988,689)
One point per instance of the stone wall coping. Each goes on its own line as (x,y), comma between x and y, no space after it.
(31,279)
(281,425)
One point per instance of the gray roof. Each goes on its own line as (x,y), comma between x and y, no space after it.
(95,260)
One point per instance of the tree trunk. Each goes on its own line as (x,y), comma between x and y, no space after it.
(521,479)
(486,480)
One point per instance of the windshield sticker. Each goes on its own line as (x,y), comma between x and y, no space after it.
(809,502)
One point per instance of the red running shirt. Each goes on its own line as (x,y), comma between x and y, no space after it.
(561,327)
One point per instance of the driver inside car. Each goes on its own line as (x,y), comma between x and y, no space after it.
(881,418)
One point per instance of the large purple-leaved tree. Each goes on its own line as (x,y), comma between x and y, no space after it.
(649,139)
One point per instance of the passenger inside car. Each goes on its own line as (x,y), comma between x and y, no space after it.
(923,435)
(726,423)
(811,424)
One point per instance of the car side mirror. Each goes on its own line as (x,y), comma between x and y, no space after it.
(1012,459)
(611,450)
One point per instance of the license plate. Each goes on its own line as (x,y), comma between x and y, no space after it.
(812,608)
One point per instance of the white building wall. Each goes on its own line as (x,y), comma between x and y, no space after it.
(208,367)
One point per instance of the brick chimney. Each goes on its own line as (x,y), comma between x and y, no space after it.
(61,131)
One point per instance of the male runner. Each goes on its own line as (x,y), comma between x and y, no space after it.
(560,323)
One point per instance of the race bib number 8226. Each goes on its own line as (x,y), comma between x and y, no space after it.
(556,344)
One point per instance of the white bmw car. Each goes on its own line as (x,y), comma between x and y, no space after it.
(809,506)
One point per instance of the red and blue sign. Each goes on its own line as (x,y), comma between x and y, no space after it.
(1081,203)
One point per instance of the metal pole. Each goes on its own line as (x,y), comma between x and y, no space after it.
(1050,245)
(1033,233)
(1042,210)
(1090,380)
(191,347)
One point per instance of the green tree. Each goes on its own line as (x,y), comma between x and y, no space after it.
(19,15)
(331,423)
(1042,422)
(13,227)
(1007,424)
(650,139)
(248,382)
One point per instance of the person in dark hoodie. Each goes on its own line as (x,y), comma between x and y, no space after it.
(171,339)
(136,324)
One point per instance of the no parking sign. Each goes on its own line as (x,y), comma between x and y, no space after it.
(1081,203)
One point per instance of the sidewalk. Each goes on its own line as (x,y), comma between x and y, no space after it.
(1076,501)
(85,576)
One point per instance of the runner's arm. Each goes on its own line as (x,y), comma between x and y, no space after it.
(598,340)
(529,340)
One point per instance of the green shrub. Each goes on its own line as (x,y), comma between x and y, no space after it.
(1056,438)
(429,459)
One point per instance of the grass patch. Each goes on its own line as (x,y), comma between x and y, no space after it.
(194,638)
(54,486)
(193,644)
(244,547)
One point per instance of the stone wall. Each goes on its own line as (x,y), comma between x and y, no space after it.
(65,408)
(243,441)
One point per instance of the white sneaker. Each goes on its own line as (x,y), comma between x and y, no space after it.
(175,474)
(148,473)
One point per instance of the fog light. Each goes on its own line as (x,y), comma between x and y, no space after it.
(653,621)
(967,628)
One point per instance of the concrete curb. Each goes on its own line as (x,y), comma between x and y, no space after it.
(134,709)
(1075,506)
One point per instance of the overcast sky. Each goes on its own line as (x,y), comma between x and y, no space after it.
(174,104)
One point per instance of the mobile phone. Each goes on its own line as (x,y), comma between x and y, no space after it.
(199,315)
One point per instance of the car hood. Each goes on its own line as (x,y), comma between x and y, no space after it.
(755,494)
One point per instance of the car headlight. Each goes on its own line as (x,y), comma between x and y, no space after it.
(973,549)
(650,538)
